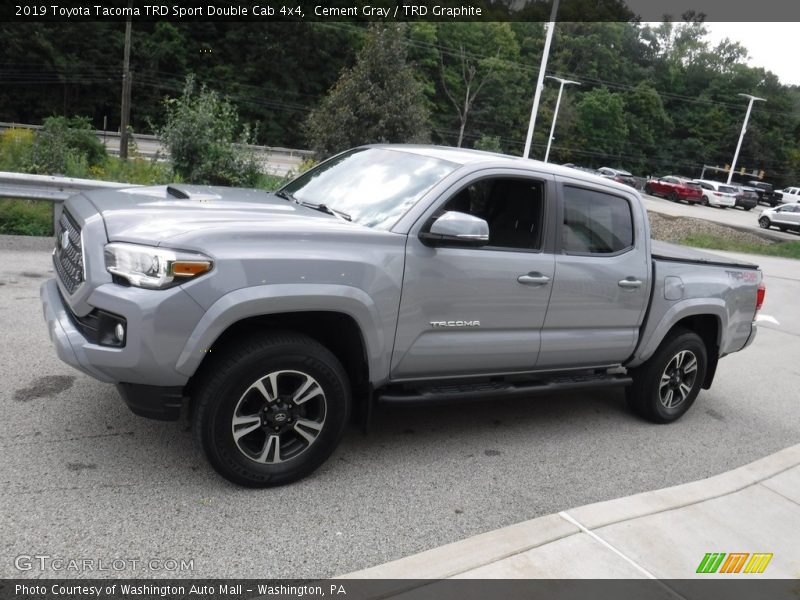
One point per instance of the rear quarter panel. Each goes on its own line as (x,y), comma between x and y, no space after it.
(684,289)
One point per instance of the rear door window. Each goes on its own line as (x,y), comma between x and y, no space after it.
(595,222)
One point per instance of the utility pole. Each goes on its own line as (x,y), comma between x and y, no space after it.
(126,92)
(540,82)
(555,114)
(741,135)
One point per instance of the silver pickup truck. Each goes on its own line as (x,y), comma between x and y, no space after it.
(405,274)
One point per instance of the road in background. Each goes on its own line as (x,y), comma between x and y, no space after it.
(83,477)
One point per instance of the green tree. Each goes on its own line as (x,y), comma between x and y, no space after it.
(601,122)
(201,132)
(66,146)
(377,100)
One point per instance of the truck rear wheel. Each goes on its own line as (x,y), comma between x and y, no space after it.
(272,409)
(666,386)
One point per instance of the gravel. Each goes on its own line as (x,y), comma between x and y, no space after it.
(675,229)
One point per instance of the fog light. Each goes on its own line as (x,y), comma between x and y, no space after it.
(119,332)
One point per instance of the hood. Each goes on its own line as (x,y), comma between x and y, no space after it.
(159,214)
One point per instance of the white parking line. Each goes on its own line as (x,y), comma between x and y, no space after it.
(767,319)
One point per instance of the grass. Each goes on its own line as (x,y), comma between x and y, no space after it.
(714,242)
(26,217)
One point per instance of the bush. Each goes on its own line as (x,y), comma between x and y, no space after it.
(134,170)
(200,132)
(26,217)
(490,143)
(67,146)
(16,149)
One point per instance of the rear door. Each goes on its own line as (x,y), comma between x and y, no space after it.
(601,285)
(473,311)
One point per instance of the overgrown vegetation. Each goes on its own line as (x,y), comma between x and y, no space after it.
(715,242)
(204,138)
(25,217)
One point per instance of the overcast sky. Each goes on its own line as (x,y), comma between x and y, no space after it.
(770,45)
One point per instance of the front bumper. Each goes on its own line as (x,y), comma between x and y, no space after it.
(158,326)
(68,340)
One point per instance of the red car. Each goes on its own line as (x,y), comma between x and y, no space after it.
(675,189)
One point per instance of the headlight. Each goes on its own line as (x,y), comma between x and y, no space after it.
(154,268)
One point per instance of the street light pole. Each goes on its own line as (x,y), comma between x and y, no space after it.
(741,135)
(540,82)
(563,82)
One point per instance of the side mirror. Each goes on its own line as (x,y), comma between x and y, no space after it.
(455,228)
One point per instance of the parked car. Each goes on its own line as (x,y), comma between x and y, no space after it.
(618,175)
(784,217)
(394,274)
(717,194)
(584,169)
(674,188)
(790,194)
(746,197)
(766,194)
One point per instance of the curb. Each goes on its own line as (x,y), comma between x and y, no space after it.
(486,548)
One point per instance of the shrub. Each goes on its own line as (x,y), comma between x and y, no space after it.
(67,146)
(25,217)
(200,132)
(490,143)
(16,149)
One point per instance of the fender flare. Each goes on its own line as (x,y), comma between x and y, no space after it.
(652,337)
(264,300)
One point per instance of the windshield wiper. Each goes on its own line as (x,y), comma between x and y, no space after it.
(326,209)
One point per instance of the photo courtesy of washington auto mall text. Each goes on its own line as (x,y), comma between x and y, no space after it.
(399,299)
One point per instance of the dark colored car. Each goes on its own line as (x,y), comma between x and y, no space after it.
(675,188)
(766,193)
(746,198)
(617,175)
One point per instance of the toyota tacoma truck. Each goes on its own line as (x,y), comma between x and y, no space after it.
(386,274)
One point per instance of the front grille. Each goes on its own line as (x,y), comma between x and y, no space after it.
(68,255)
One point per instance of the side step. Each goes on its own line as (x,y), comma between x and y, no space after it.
(505,389)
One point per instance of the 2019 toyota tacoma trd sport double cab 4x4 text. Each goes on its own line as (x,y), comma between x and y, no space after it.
(404,274)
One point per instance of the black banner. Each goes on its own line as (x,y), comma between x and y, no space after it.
(395,10)
(736,587)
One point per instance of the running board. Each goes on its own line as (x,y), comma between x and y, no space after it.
(487,390)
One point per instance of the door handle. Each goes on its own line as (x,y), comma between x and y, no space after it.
(533,279)
(630,283)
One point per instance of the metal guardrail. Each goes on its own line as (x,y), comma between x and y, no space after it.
(50,188)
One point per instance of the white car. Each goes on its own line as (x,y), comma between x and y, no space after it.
(790,194)
(717,194)
(785,216)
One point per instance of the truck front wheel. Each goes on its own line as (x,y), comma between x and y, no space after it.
(665,386)
(271,409)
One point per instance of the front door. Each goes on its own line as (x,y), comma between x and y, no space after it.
(473,311)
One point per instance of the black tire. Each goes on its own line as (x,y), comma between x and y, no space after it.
(650,398)
(764,223)
(648,190)
(673,197)
(231,384)
(705,201)
(748,208)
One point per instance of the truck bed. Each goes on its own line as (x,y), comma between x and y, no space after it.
(674,252)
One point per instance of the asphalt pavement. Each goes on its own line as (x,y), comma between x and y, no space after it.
(82,477)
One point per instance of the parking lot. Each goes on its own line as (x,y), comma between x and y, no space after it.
(82,477)
(733,217)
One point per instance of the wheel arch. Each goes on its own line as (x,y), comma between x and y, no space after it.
(344,320)
(705,317)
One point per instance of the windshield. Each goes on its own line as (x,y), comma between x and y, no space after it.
(374,186)
(726,190)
